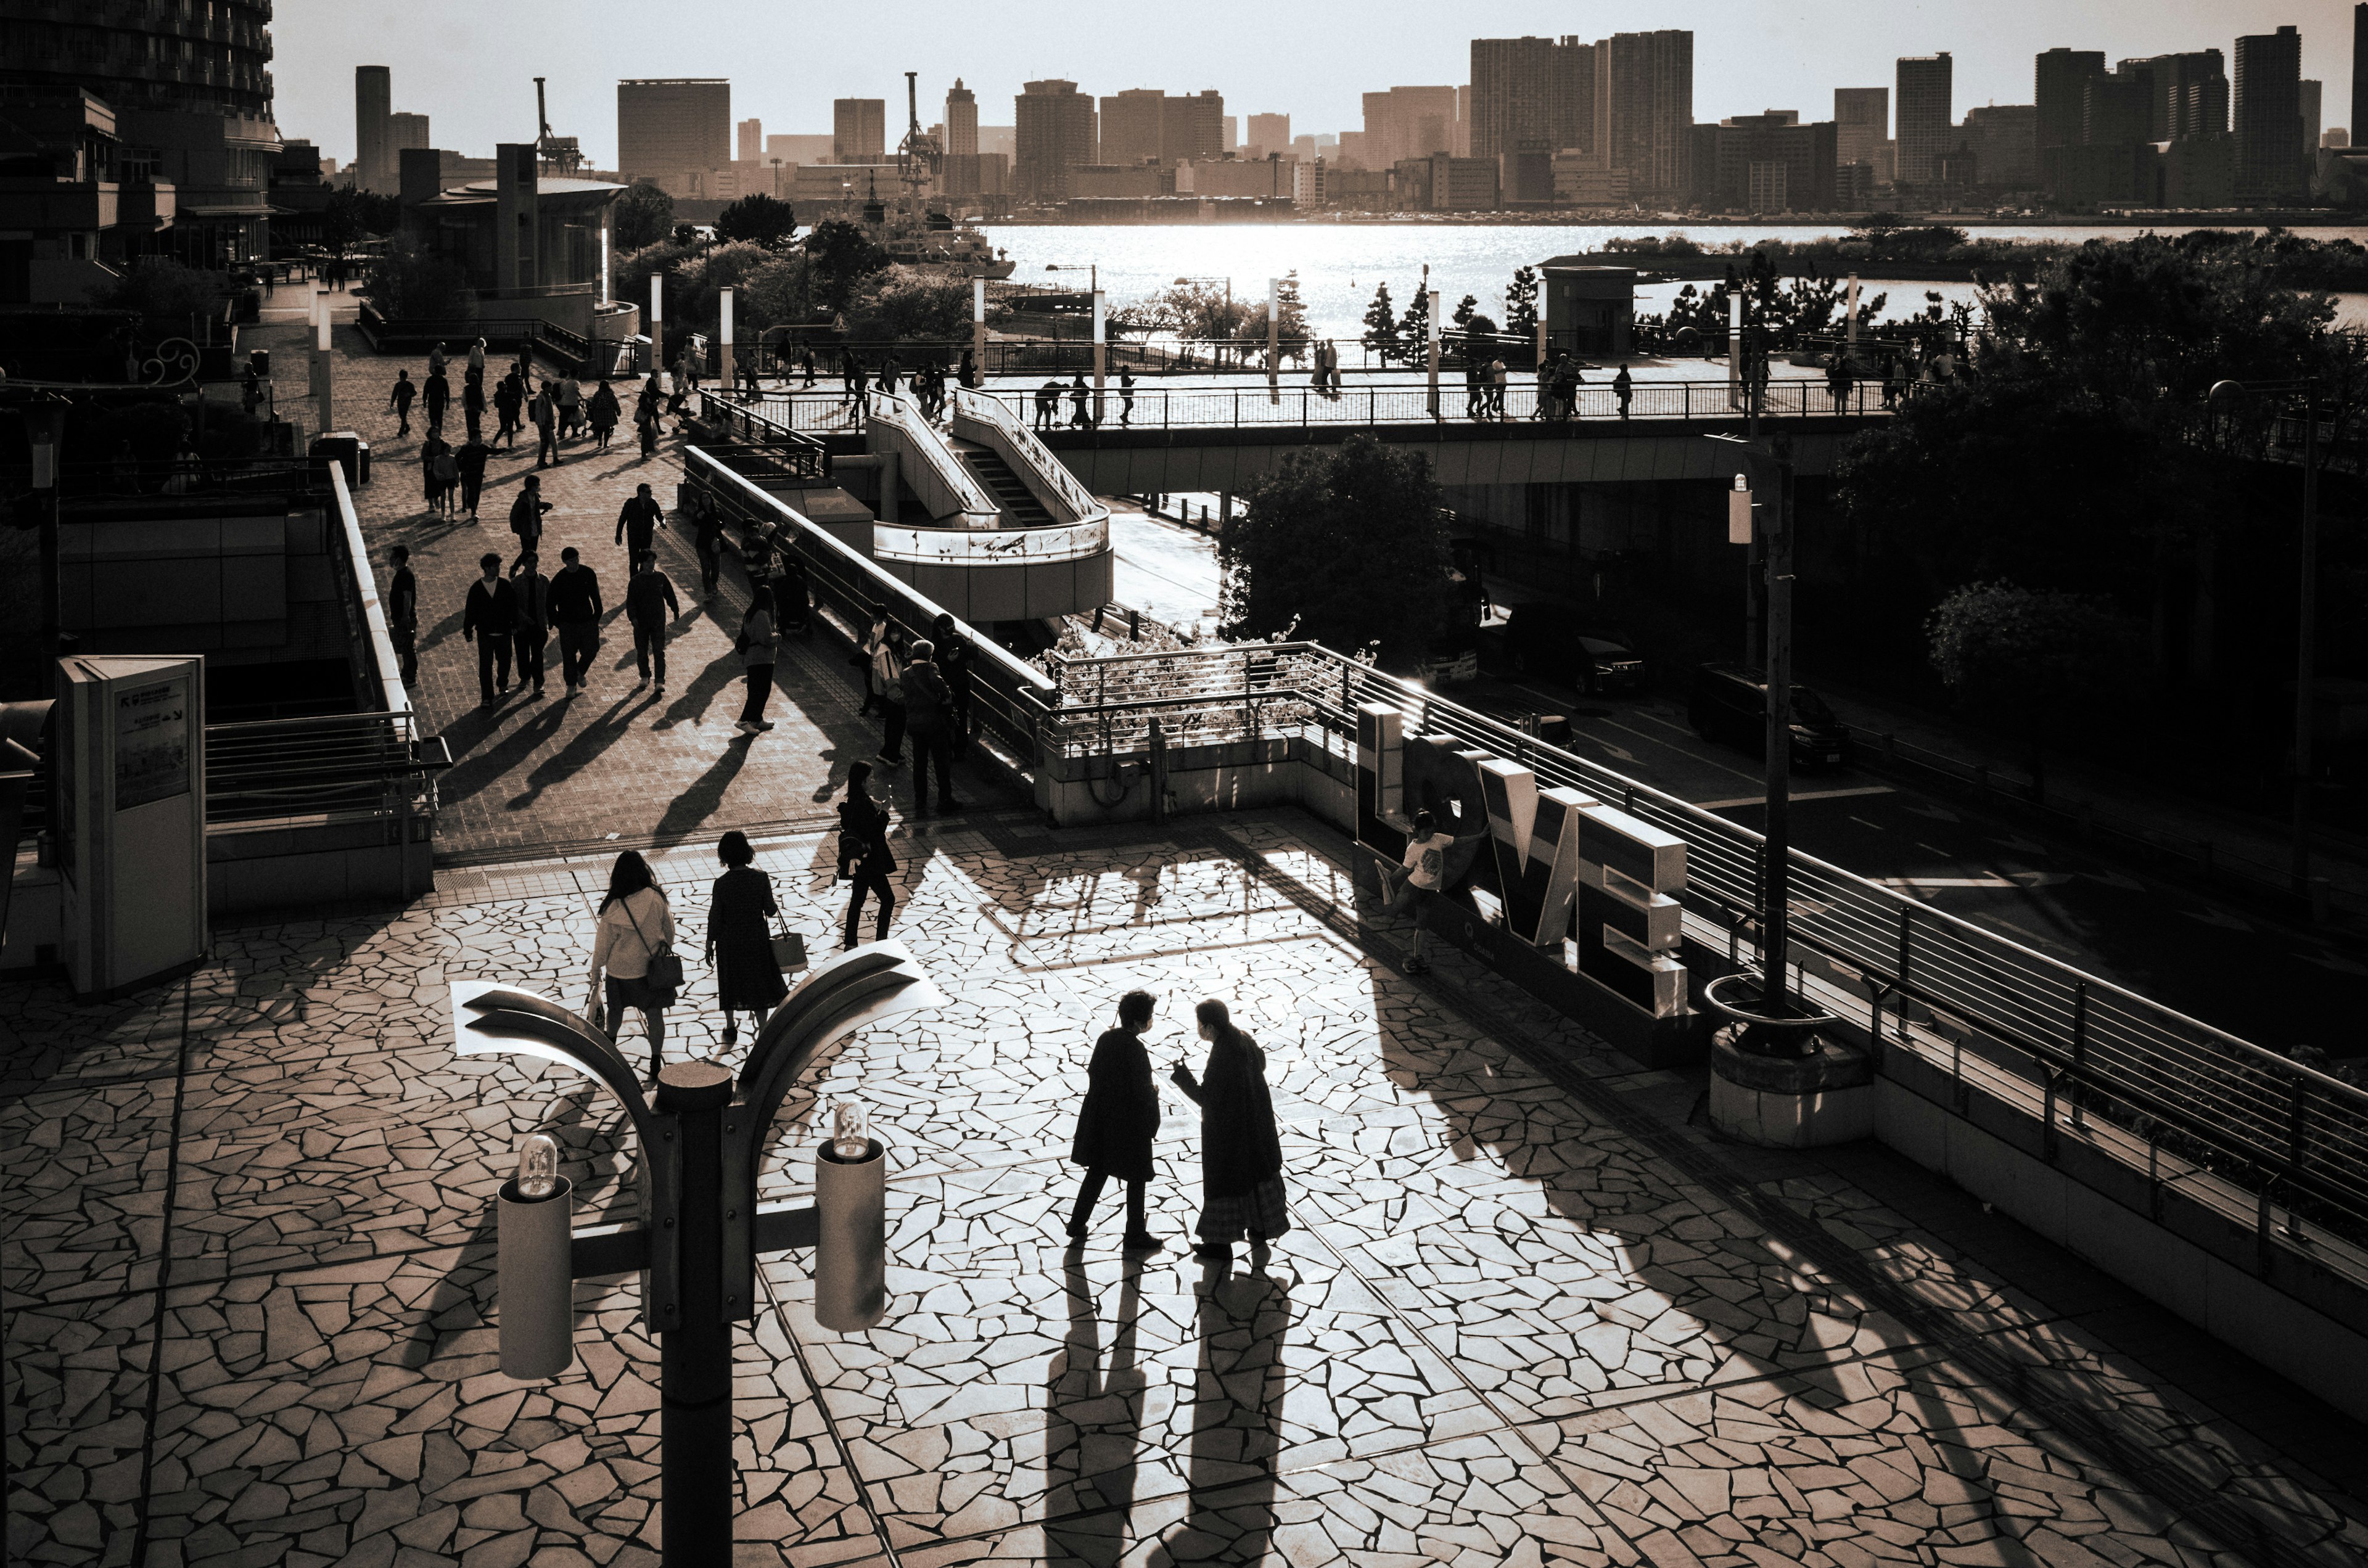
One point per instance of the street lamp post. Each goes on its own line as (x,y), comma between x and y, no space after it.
(45,425)
(703,1142)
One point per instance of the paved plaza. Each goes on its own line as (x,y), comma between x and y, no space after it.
(1530,1311)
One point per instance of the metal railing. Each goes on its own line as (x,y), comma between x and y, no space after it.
(330,765)
(2294,1140)
(1009,696)
(1034,456)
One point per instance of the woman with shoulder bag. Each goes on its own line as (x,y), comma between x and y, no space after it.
(632,947)
(1241,1152)
(888,674)
(739,943)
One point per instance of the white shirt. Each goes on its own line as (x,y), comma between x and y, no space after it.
(1443,843)
(618,947)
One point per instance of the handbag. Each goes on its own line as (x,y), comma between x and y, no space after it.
(666,966)
(789,951)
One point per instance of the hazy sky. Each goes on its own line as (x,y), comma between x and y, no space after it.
(470,64)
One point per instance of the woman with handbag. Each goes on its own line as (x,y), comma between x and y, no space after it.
(888,676)
(740,946)
(632,947)
(1241,1151)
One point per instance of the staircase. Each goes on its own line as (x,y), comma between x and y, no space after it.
(1017,504)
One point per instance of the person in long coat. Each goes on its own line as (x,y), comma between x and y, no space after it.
(739,943)
(1241,1152)
(1117,1122)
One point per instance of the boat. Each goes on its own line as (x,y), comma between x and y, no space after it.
(939,241)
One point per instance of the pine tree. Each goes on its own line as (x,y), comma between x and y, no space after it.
(1382,323)
(1463,312)
(1414,328)
(1521,304)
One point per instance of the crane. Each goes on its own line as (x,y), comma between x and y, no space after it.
(918,155)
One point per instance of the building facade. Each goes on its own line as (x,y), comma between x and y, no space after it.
(1409,122)
(2004,140)
(373,104)
(2060,80)
(1270,133)
(1861,123)
(2268,104)
(1926,89)
(1644,111)
(962,122)
(859,130)
(1766,162)
(1531,95)
(1054,131)
(669,129)
(749,141)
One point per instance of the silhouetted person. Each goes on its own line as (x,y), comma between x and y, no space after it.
(575,615)
(1117,1122)
(863,852)
(1241,1151)
(488,620)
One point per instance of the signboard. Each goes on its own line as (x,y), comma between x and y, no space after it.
(152,743)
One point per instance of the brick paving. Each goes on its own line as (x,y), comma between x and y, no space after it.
(615,761)
(1528,1314)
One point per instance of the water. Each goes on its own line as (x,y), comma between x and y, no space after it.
(1338,263)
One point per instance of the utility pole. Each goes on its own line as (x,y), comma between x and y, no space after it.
(1769,464)
(2306,638)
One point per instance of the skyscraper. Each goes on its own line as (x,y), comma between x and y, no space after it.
(1927,113)
(373,98)
(2190,94)
(1193,125)
(669,127)
(2269,116)
(1531,95)
(1053,132)
(859,130)
(2359,126)
(2059,87)
(2308,100)
(961,120)
(1130,126)
(1271,133)
(1409,122)
(405,131)
(752,140)
(1861,123)
(1644,111)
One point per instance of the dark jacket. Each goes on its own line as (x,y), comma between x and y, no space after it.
(472,457)
(574,595)
(638,520)
(533,593)
(1239,1145)
(402,600)
(492,609)
(863,835)
(526,516)
(649,599)
(1121,1116)
(925,696)
(602,410)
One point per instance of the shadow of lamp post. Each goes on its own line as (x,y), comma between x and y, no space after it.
(702,1141)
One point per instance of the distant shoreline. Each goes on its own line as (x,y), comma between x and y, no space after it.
(2307,218)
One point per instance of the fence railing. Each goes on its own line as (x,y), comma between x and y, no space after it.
(332,763)
(2293,1138)
(1083,505)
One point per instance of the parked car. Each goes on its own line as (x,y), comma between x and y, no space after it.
(1539,639)
(1729,703)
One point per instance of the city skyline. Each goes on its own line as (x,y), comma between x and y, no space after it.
(1742,66)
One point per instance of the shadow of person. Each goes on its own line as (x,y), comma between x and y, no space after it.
(685,813)
(580,750)
(1093,1439)
(1236,1421)
(476,770)
(722,673)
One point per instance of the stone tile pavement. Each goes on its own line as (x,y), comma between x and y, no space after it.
(1528,1314)
(619,760)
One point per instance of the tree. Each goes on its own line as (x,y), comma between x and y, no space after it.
(352,214)
(780,294)
(2034,661)
(162,292)
(642,216)
(1382,323)
(842,255)
(1290,317)
(1521,304)
(1414,328)
(407,283)
(686,232)
(903,304)
(759,218)
(1465,308)
(1350,542)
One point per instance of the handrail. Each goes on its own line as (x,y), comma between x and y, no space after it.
(1084,505)
(974,506)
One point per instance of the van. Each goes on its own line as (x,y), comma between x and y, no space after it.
(1729,703)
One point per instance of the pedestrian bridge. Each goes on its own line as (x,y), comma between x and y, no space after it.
(1217,439)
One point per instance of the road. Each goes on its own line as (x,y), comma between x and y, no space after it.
(2270,983)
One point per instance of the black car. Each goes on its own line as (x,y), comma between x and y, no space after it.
(1539,640)
(1730,703)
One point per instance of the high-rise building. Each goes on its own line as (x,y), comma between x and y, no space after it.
(2059,88)
(2004,140)
(2308,98)
(2360,69)
(1766,162)
(2118,109)
(1409,122)
(1003,139)
(813,148)
(1644,111)
(2190,94)
(406,130)
(961,120)
(667,128)
(1926,115)
(1193,125)
(1271,133)
(1232,133)
(1130,126)
(859,130)
(751,141)
(2269,116)
(1054,131)
(1531,95)
(373,101)
(1861,123)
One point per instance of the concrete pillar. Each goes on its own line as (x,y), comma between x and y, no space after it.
(518,224)
(723,340)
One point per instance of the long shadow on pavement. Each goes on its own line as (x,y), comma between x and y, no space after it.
(577,753)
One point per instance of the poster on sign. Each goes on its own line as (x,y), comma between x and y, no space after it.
(152,743)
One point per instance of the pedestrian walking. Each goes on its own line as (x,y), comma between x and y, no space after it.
(531,591)
(860,385)
(1624,387)
(967,373)
(638,521)
(1567,380)
(686,377)
(707,539)
(470,461)
(926,701)
(544,411)
(875,636)
(575,616)
(792,606)
(1080,414)
(759,645)
(957,660)
(488,620)
(509,398)
(472,403)
(448,478)
(1499,378)
(398,399)
(863,856)
(809,367)
(739,942)
(602,414)
(1048,402)
(403,611)
(432,447)
(436,396)
(525,515)
(571,405)
(888,674)
(632,953)
(1125,398)
(438,360)
(1241,1151)
(1118,1123)
(1838,380)
(650,604)
(645,418)
(477,357)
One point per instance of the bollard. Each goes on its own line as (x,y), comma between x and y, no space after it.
(535,1290)
(850,1268)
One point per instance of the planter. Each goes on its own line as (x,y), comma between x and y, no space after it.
(1783,1080)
